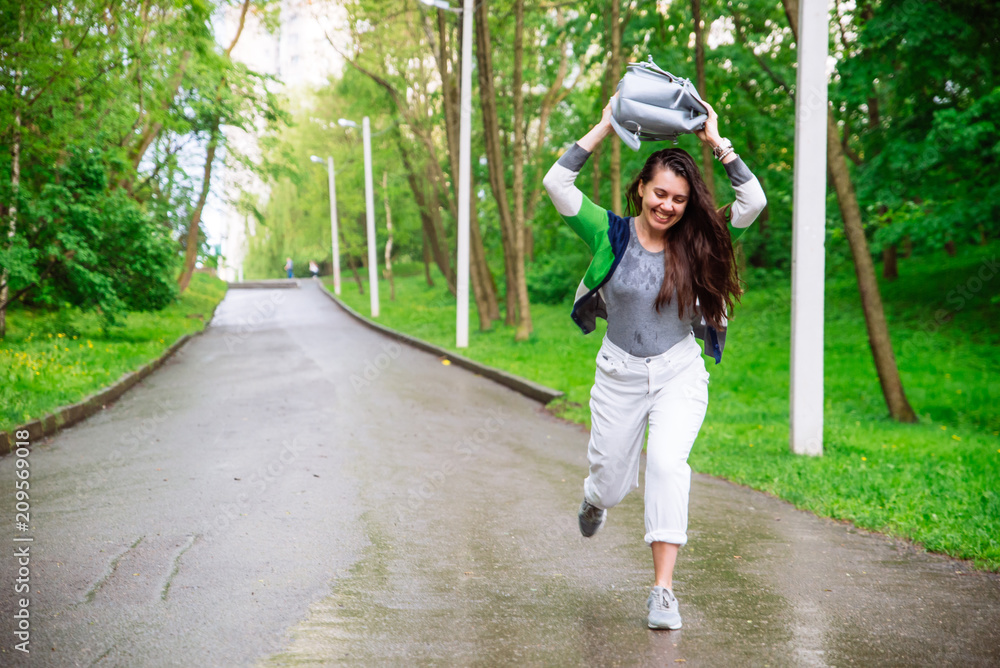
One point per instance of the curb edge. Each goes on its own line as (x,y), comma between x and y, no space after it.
(528,388)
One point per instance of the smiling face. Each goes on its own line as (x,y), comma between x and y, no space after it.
(664,199)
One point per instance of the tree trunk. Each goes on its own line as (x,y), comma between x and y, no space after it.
(351,261)
(595,181)
(949,248)
(151,131)
(430,218)
(556,93)
(890,270)
(450,95)
(494,154)
(871,298)
(191,250)
(514,261)
(595,158)
(15,182)
(387,272)
(523,307)
(427,260)
(433,214)
(4,294)
(615,73)
(480,268)
(482,278)
(362,229)
(483,288)
(239,27)
(707,157)
(194,226)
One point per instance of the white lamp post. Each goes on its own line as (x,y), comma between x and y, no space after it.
(464,180)
(464,171)
(370,210)
(333,220)
(809,229)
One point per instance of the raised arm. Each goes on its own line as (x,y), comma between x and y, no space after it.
(587,219)
(750,198)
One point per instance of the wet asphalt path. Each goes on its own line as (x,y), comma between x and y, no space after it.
(294,489)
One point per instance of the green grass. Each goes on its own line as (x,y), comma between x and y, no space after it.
(56,358)
(936,482)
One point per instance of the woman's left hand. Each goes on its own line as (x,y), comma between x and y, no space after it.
(710,133)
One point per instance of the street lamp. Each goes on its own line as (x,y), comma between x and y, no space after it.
(333,220)
(369,208)
(809,230)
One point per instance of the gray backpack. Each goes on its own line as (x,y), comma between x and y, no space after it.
(654,105)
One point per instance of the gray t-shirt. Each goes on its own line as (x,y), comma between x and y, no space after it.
(633,323)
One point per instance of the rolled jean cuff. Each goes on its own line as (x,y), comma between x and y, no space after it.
(675,537)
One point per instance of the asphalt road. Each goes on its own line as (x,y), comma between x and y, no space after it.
(294,489)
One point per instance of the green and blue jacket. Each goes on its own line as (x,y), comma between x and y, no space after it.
(607,236)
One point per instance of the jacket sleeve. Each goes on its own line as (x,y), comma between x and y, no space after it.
(588,220)
(750,198)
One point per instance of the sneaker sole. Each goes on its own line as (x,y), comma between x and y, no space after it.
(663,628)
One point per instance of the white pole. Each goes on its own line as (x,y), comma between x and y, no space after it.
(370,208)
(464,181)
(333,226)
(809,229)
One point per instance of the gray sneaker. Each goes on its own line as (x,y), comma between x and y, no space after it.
(591,518)
(663,610)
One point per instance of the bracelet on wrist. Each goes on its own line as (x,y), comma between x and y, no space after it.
(724,148)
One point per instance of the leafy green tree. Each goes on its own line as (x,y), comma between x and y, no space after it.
(922,138)
(121,90)
(89,246)
(82,79)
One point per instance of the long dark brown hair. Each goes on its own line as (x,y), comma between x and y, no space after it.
(699,261)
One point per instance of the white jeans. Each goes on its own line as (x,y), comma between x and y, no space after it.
(669,392)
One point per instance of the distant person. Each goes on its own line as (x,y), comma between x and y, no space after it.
(288,267)
(657,276)
(313,268)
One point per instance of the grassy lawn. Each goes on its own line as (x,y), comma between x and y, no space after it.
(936,482)
(55,358)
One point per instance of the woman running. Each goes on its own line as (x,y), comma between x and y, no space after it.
(660,277)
